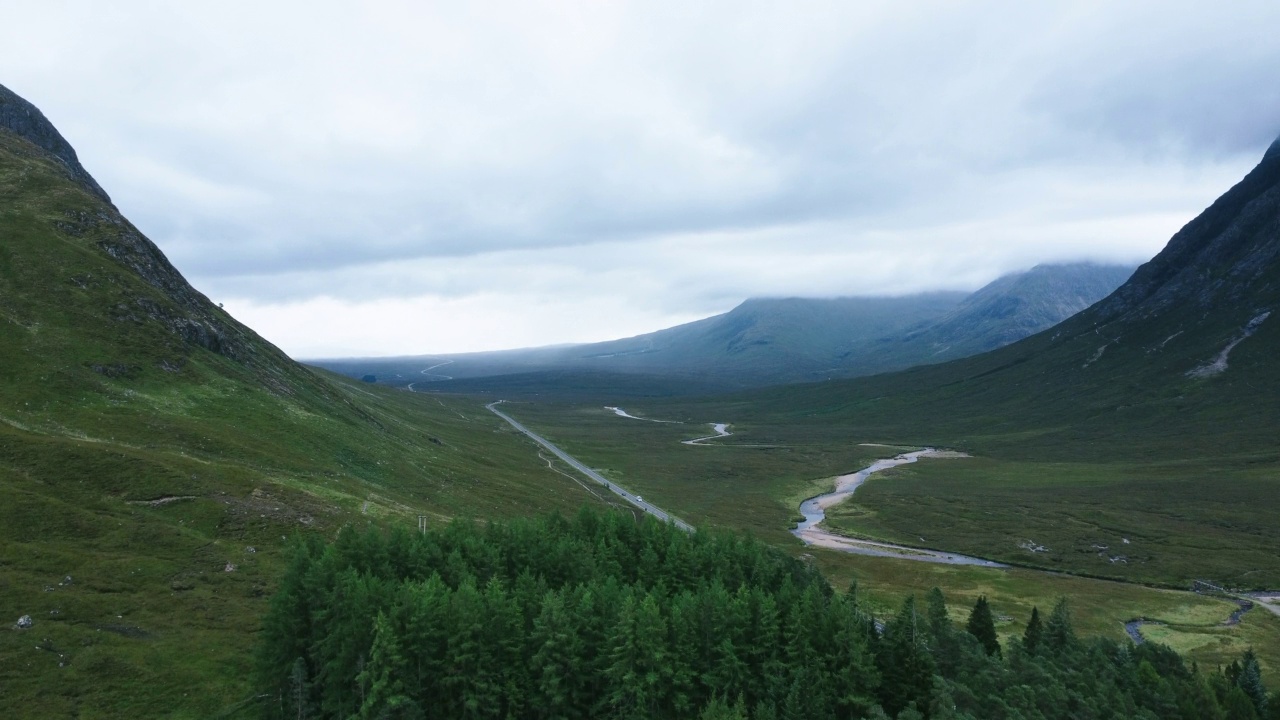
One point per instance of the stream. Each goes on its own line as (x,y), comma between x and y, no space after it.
(814,512)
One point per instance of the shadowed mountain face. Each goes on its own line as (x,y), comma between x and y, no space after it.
(1180,359)
(1020,305)
(767,341)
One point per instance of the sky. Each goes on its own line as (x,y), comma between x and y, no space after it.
(404,178)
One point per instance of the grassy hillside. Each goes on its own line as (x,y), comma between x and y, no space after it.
(156,457)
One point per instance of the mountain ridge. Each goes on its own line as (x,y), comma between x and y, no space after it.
(766,341)
(26,121)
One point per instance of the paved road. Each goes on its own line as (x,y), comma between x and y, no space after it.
(592,474)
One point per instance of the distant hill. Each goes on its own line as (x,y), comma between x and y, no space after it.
(767,341)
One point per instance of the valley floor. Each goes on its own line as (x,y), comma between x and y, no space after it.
(757,478)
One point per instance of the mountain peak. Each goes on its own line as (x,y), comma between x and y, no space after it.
(1219,258)
(1273,151)
(27,122)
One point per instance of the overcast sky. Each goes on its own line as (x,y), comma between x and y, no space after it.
(413,178)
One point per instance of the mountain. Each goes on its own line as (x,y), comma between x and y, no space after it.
(1017,306)
(1135,440)
(767,341)
(157,457)
(1185,347)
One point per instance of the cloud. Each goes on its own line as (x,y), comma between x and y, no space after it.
(658,159)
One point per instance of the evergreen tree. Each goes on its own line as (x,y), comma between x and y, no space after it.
(1239,706)
(299,691)
(549,618)
(854,675)
(1032,636)
(982,626)
(556,665)
(385,694)
(906,668)
(943,643)
(1249,679)
(720,709)
(1058,634)
(638,659)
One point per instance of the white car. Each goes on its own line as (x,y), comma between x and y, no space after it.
(639,498)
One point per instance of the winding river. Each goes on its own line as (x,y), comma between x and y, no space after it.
(814,512)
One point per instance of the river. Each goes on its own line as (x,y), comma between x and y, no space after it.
(814,512)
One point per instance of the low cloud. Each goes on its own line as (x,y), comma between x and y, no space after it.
(318,165)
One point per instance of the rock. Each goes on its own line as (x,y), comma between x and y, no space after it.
(251,549)
(229,568)
(30,124)
(25,622)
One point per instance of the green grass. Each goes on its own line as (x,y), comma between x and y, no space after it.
(973,505)
(725,483)
(1182,521)
(66,509)
(103,407)
(1098,607)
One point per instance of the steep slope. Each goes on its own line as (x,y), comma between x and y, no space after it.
(156,456)
(768,341)
(1018,306)
(1185,348)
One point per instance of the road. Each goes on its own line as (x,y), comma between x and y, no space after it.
(576,464)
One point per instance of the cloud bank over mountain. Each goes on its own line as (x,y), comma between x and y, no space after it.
(404,178)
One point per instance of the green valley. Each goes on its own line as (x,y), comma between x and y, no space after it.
(194,525)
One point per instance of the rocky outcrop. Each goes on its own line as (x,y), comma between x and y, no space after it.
(26,121)
(1217,259)
(191,315)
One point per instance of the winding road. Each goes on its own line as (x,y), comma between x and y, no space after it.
(576,464)
(814,512)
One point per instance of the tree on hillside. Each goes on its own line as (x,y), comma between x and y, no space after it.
(1058,634)
(982,626)
(1249,679)
(906,668)
(1032,636)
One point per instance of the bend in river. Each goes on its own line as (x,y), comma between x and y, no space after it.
(814,512)
(722,430)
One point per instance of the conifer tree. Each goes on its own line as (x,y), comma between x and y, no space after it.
(906,668)
(982,626)
(943,642)
(299,691)
(383,677)
(556,663)
(1032,636)
(1249,680)
(721,709)
(1058,634)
